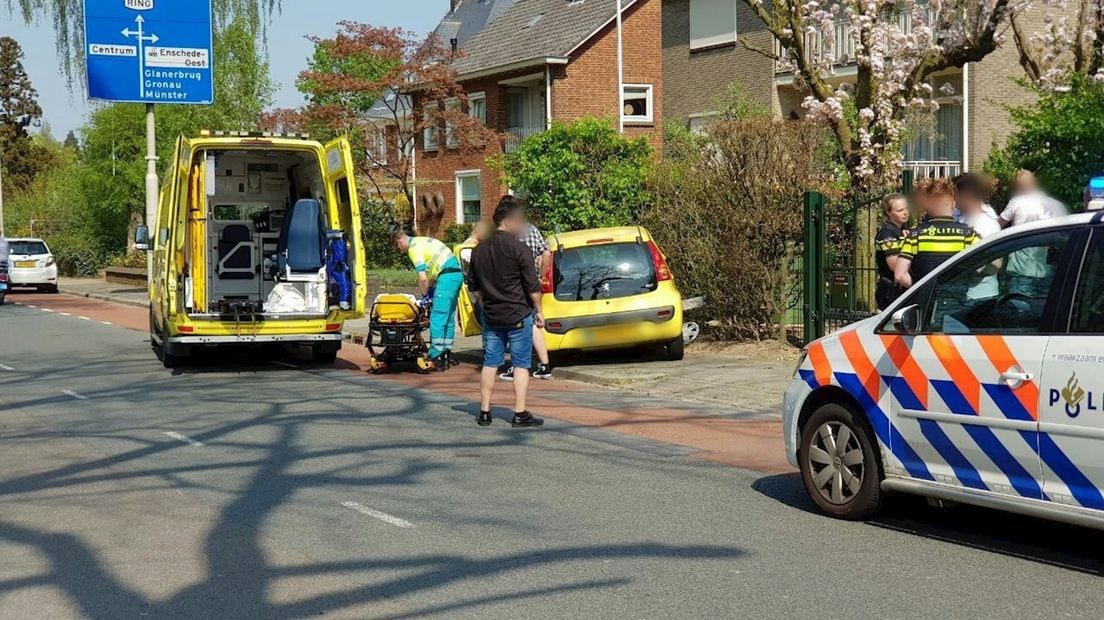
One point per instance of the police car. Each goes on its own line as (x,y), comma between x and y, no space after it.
(982,384)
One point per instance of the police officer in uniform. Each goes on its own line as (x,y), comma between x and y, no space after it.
(936,239)
(887,246)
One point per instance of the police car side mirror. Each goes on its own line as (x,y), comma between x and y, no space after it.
(142,239)
(907,320)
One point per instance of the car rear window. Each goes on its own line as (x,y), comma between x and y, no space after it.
(604,271)
(28,247)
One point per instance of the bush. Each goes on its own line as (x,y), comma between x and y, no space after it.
(582,175)
(375,221)
(457,233)
(728,212)
(1060,137)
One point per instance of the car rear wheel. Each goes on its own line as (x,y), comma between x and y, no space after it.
(675,349)
(839,463)
(50,288)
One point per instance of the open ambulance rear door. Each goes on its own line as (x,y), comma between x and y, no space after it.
(345,211)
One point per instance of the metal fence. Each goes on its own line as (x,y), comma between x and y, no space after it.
(841,274)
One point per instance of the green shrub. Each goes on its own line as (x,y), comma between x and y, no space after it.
(375,221)
(457,233)
(1059,137)
(728,213)
(582,175)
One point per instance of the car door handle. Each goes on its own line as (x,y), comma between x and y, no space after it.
(1015,377)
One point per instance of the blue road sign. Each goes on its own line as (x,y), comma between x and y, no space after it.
(149,51)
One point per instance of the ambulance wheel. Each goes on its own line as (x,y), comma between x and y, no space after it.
(839,463)
(323,355)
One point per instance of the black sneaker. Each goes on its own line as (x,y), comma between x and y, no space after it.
(450,360)
(526,419)
(484,418)
(543,371)
(507,375)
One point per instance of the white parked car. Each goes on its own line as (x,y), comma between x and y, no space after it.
(32,264)
(983,384)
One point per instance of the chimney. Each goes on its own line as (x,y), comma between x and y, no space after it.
(454,43)
(452,5)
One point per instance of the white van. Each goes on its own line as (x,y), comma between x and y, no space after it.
(995,400)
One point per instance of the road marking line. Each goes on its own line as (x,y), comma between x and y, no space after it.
(106,322)
(65,314)
(74,394)
(30,305)
(84,318)
(47,310)
(382,516)
(184,439)
(6,367)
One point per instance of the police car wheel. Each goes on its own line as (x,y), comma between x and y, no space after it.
(839,464)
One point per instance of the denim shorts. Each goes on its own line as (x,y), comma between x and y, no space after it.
(520,339)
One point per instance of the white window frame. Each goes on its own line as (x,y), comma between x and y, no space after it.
(430,133)
(460,176)
(707,11)
(649,93)
(381,146)
(451,104)
(472,98)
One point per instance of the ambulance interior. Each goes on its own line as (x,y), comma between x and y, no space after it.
(262,225)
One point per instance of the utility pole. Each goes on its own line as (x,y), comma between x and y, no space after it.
(1,195)
(620,76)
(152,185)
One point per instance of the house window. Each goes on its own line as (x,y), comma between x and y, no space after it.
(380,147)
(638,103)
(429,134)
(477,107)
(712,23)
(451,107)
(469,195)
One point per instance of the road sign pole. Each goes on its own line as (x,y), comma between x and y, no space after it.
(152,183)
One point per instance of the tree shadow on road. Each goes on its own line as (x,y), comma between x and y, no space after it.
(272,449)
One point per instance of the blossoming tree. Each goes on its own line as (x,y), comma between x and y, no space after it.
(897,45)
(1070,42)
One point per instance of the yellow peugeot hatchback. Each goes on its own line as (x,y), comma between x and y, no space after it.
(606,288)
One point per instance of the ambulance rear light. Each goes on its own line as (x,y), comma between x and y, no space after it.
(333,327)
(3,277)
(663,272)
(208,133)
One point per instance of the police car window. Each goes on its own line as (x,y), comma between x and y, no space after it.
(1088,304)
(1001,289)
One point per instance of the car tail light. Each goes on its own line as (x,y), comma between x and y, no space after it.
(186,329)
(49,260)
(3,277)
(555,325)
(663,272)
(546,277)
(333,327)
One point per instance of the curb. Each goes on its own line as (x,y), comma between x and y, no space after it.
(102,297)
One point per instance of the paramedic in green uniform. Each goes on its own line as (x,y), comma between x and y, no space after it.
(438,270)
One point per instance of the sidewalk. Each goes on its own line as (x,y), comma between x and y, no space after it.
(740,381)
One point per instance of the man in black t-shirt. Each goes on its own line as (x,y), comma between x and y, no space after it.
(504,280)
(887,245)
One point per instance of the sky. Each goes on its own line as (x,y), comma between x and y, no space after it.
(287,47)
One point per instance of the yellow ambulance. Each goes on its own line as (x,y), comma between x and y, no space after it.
(257,241)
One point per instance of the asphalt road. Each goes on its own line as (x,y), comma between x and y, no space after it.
(242,488)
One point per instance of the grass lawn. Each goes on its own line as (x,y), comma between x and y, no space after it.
(393,278)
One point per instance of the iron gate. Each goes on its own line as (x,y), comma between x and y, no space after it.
(840,271)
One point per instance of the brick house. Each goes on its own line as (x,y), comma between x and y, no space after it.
(701,57)
(526,64)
